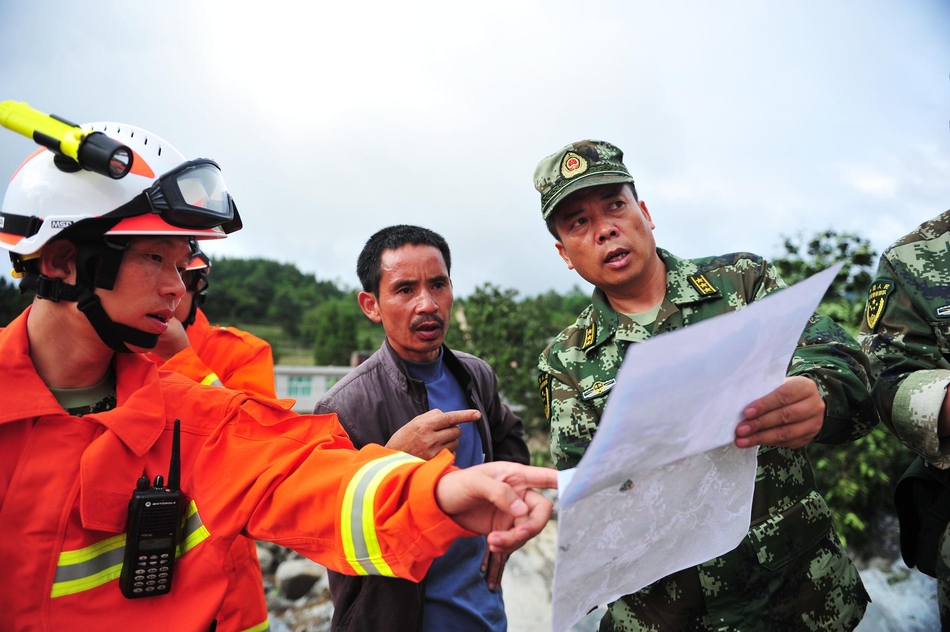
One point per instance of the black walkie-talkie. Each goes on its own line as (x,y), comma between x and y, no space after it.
(152,532)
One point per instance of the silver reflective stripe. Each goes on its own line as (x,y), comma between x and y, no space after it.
(358,519)
(89,567)
(93,566)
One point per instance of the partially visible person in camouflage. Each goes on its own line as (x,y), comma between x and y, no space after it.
(790,572)
(906,334)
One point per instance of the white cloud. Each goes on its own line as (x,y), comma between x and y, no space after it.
(876,184)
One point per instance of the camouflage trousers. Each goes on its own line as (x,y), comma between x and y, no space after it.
(819,589)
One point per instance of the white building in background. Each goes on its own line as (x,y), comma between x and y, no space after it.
(306,384)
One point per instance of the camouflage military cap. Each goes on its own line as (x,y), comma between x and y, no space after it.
(583,164)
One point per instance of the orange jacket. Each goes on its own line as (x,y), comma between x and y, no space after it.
(235,359)
(224,356)
(249,466)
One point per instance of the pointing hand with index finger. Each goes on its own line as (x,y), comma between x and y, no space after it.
(430,433)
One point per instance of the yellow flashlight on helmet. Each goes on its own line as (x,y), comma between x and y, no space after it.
(75,148)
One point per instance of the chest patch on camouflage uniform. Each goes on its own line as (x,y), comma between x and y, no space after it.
(702,285)
(877,299)
(590,335)
(544,385)
(598,389)
(943,312)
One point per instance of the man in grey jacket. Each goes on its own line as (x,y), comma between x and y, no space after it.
(416,395)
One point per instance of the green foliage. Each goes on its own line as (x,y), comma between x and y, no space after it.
(510,334)
(857,480)
(492,325)
(803,257)
(285,310)
(264,291)
(11,301)
(333,325)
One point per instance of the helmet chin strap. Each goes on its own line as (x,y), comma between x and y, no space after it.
(115,335)
(106,256)
(199,294)
(192,313)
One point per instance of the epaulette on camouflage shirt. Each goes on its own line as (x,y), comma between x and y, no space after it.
(579,366)
(906,334)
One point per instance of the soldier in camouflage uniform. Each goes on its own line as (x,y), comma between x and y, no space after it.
(906,334)
(790,572)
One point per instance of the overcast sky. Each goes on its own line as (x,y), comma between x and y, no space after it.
(740,121)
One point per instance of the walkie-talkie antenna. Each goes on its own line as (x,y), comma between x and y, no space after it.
(174,468)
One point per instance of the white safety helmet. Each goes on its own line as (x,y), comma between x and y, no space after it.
(42,200)
(162,194)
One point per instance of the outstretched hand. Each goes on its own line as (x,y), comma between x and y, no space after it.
(788,417)
(496,499)
(431,432)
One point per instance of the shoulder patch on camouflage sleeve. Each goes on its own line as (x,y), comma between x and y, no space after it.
(590,335)
(702,285)
(544,385)
(599,388)
(877,299)
(943,312)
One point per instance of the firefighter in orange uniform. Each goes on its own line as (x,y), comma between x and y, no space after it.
(87,417)
(235,359)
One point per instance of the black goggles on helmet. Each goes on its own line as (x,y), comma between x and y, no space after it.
(192,195)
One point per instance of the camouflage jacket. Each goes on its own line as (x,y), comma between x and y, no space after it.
(789,516)
(906,334)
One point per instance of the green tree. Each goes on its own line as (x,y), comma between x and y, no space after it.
(286,311)
(510,334)
(261,291)
(11,301)
(803,257)
(333,327)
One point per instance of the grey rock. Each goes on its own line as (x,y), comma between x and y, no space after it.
(902,600)
(266,559)
(295,578)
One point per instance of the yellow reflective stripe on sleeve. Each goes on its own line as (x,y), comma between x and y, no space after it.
(194,530)
(358,518)
(260,627)
(212,380)
(101,562)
